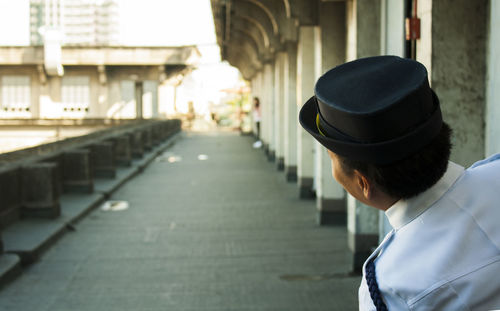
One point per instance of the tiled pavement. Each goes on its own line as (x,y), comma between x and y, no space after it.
(211,225)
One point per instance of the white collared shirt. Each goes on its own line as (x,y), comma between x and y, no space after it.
(444,250)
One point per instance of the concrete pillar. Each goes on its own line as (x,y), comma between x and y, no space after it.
(10,192)
(261,88)
(155,135)
(330,196)
(290,111)
(139,91)
(493,81)
(102,98)
(268,112)
(424,44)
(123,155)
(137,146)
(77,171)
(150,99)
(363,37)
(279,109)
(392,36)
(265,112)
(362,231)
(103,159)
(40,93)
(308,64)
(40,191)
(459,31)
(147,138)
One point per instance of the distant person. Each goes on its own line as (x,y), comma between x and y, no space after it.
(389,148)
(256,118)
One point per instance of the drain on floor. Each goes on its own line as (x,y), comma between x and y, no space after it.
(202,157)
(168,157)
(114,206)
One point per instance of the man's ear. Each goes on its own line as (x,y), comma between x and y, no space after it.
(365,186)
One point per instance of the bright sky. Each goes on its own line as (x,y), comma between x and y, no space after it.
(166,22)
(169,23)
(14,16)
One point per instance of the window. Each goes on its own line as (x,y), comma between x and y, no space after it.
(75,96)
(16,96)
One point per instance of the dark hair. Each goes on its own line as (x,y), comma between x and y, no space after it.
(257,101)
(413,175)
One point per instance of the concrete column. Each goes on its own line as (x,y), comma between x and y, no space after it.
(155,135)
(123,156)
(362,231)
(139,91)
(264,106)
(290,111)
(279,109)
(137,146)
(330,196)
(392,36)
(77,171)
(363,36)
(424,44)
(459,32)
(307,72)
(150,99)
(103,159)
(268,105)
(40,191)
(103,97)
(10,192)
(146,138)
(493,81)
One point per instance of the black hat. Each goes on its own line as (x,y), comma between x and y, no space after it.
(377,109)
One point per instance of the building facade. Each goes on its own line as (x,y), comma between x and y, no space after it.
(81,22)
(98,82)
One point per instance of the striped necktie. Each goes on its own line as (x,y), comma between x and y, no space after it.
(371,281)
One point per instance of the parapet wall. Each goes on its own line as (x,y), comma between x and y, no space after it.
(34,181)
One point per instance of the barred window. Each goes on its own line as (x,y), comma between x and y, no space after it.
(75,94)
(16,95)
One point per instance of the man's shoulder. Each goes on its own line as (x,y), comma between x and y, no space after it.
(482,176)
(492,160)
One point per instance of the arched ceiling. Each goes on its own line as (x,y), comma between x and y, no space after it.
(251,31)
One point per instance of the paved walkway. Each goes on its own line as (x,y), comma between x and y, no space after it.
(211,225)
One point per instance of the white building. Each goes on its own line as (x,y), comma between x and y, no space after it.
(81,22)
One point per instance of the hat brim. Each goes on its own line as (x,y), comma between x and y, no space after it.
(380,153)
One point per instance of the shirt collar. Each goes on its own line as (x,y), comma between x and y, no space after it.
(404,211)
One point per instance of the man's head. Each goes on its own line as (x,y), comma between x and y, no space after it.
(382,123)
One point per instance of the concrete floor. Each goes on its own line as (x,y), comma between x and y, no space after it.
(211,225)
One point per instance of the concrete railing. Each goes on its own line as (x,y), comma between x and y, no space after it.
(32,182)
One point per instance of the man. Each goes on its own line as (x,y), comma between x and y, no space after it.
(389,148)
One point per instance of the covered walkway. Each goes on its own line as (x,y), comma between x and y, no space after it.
(211,225)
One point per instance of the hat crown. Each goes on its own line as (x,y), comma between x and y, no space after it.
(368,85)
(374,99)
